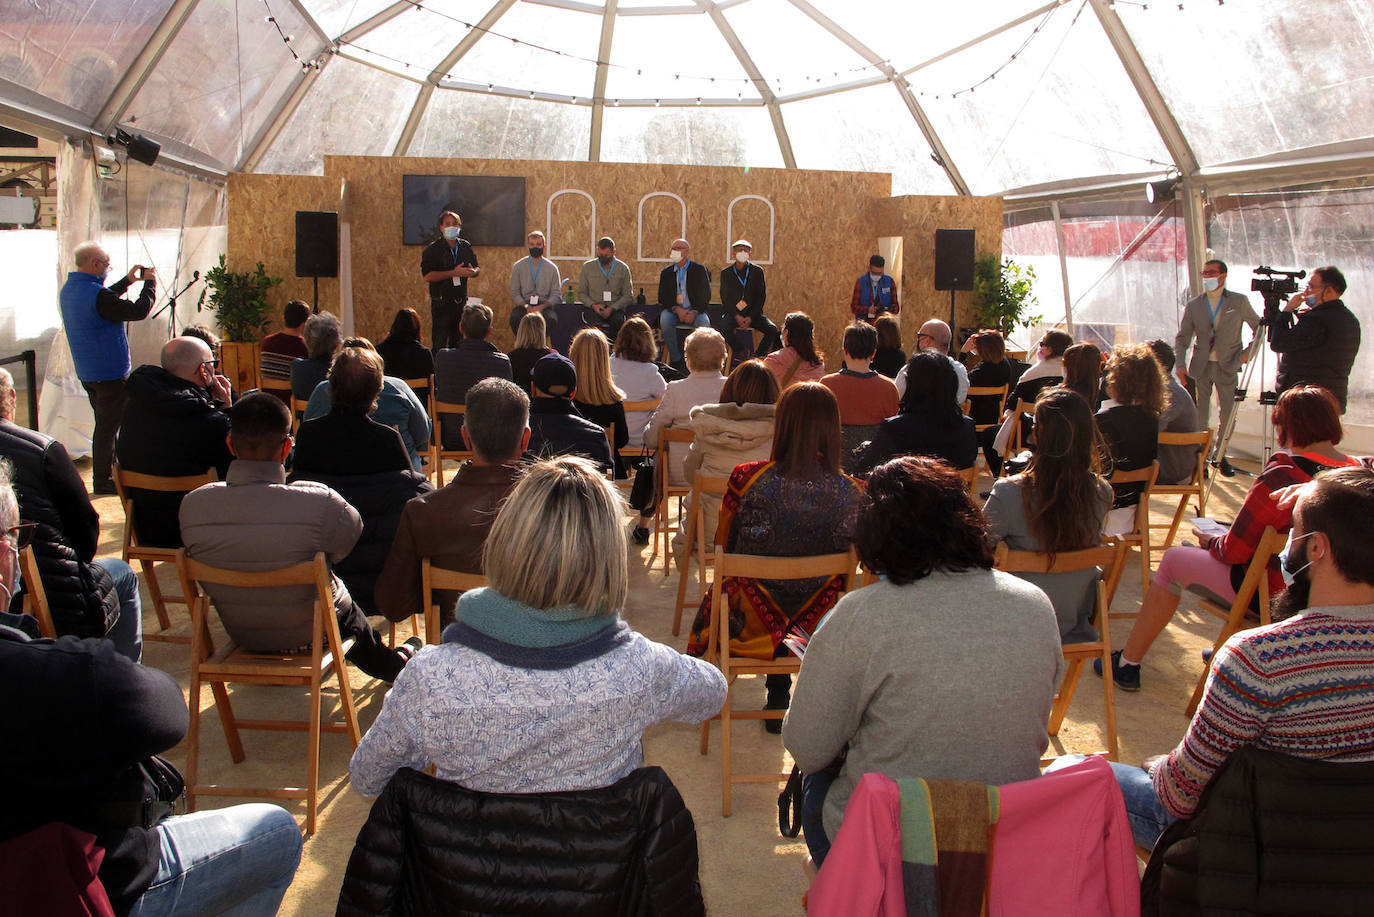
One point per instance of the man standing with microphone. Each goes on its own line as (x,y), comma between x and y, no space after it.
(446,265)
(94,316)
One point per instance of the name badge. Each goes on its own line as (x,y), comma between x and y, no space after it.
(606,297)
(534,300)
(457,281)
(679,299)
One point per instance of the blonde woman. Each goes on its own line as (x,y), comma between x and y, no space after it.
(531,343)
(598,398)
(539,686)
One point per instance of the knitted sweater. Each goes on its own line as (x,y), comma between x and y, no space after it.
(1304,687)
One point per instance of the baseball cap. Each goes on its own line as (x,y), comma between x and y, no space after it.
(555,374)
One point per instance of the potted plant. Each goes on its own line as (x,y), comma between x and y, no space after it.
(239,302)
(1003,294)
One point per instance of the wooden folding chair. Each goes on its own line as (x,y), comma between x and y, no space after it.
(270,384)
(1110,556)
(298,406)
(697,540)
(233,664)
(149,557)
(970,478)
(985,391)
(649,404)
(1194,488)
(1022,410)
(35,598)
(424,390)
(718,648)
(1256,581)
(1139,537)
(441,455)
(665,490)
(434,578)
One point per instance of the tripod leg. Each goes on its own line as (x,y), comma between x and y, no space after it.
(1252,359)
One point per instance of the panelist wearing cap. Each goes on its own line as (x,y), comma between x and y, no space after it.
(743,293)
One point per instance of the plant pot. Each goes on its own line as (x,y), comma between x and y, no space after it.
(239,364)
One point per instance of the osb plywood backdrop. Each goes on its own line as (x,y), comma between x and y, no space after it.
(816,228)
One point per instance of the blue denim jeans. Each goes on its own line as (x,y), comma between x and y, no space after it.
(1146,813)
(815,787)
(236,862)
(667,323)
(127,633)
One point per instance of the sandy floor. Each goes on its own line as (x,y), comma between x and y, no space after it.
(747,867)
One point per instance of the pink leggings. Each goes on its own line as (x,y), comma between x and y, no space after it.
(1194,568)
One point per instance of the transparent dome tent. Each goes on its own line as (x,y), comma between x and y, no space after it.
(1262,111)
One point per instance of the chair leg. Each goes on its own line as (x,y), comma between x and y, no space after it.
(313,754)
(1109,700)
(681,593)
(1066,690)
(725,800)
(228,721)
(193,739)
(1179,513)
(1145,562)
(155,592)
(706,736)
(350,712)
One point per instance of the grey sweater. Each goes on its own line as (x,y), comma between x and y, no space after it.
(950,677)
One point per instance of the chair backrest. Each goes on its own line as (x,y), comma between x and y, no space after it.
(1106,555)
(35,598)
(269,384)
(1144,476)
(421,385)
(1022,409)
(666,437)
(126,480)
(755,566)
(1201,439)
(985,391)
(1257,574)
(313,572)
(440,408)
(434,579)
(970,478)
(649,404)
(705,484)
(298,406)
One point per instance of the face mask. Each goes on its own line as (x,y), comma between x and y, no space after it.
(452,232)
(1209,284)
(536,251)
(1311,300)
(1289,565)
(605,259)
(675,256)
(742,257)
(875,274)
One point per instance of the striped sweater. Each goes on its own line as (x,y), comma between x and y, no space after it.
(1304,687)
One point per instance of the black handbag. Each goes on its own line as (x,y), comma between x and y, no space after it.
(642,490)
(162,793)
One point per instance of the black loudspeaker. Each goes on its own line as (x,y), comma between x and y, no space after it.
(317,243)
(954,259)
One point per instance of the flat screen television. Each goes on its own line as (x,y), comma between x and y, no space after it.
(492,208)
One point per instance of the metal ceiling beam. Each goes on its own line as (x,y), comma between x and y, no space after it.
(1169,131)
(474,35)
(312,23)
(899,83)
(789,159)
(138,71)
(379,19)
(603,58)
(285,111)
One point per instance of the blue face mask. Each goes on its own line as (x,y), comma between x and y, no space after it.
(452,232)
(1209,284)
(1311,300)
(1289,565)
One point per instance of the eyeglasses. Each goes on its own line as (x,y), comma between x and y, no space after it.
(213,364)
(22,533)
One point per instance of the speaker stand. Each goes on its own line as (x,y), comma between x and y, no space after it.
(953,328)
(317,295)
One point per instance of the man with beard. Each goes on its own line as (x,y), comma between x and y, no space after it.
(1304,685)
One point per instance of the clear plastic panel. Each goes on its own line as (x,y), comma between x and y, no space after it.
(338,16)
(1264,76)
(495,59)
(793,51)
(696,136)
(352,110)
(75,51)
(674,57)
(1064,108)
(416,41)
(477,125)
(222,77)
(864,130)
(905,34)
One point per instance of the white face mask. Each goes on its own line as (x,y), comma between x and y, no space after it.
(1209,284)
(675,256)
(452,232)
(742,257)
(1286,560)
(875,274)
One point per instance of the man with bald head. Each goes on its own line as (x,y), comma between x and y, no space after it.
(94,316)
(684,289)
(176,422)
(935,337)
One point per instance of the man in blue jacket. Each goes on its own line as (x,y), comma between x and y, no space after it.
(94,316)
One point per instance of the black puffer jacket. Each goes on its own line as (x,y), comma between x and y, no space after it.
(1272,834)
(379,499)
(432,847)
(170,427)
(50,492)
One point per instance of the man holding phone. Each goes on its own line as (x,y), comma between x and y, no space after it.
(94,316)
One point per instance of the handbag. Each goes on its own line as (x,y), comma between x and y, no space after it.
(162,792)
(789,804)
(642,490)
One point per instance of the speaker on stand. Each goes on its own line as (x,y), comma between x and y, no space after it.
(317,246)
(953,265)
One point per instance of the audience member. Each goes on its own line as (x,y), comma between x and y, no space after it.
(886,676)
(1047,370)
(450,525)
(87,597)
(598,398)
(1083,373)
(866,397)
(175,423)
(1301,686)
(737,431)
(404,354)
(930,423)
(875,293)
(397,407)
(539,686)
(799,360)
(531,343)
(347,440)
(1057,505)
(604,289)
(890,358)
(457,368)
(556,426)
(282,347)
(934,337)
(743,293)
(684,291)
(992,369)
(1307,425)
(323,338)
(796,504)
(254,520)
(80,723)
(634,372)
(1130,424)
(706,354)
(535,285)
(1176,463)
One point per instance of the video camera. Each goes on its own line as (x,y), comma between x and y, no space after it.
(1275,286)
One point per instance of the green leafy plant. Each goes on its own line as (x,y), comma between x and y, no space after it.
(239,300)
(1003,294)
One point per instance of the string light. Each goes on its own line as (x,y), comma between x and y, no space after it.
(306,65)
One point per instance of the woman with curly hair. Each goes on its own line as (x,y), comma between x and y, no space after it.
(1129,422)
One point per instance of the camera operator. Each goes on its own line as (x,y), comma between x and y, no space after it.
(1316,336)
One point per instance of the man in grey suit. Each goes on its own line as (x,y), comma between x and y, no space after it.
(1214,320)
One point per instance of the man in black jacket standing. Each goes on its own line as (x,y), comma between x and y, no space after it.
(1317,345)
(446,265)
(743,293)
